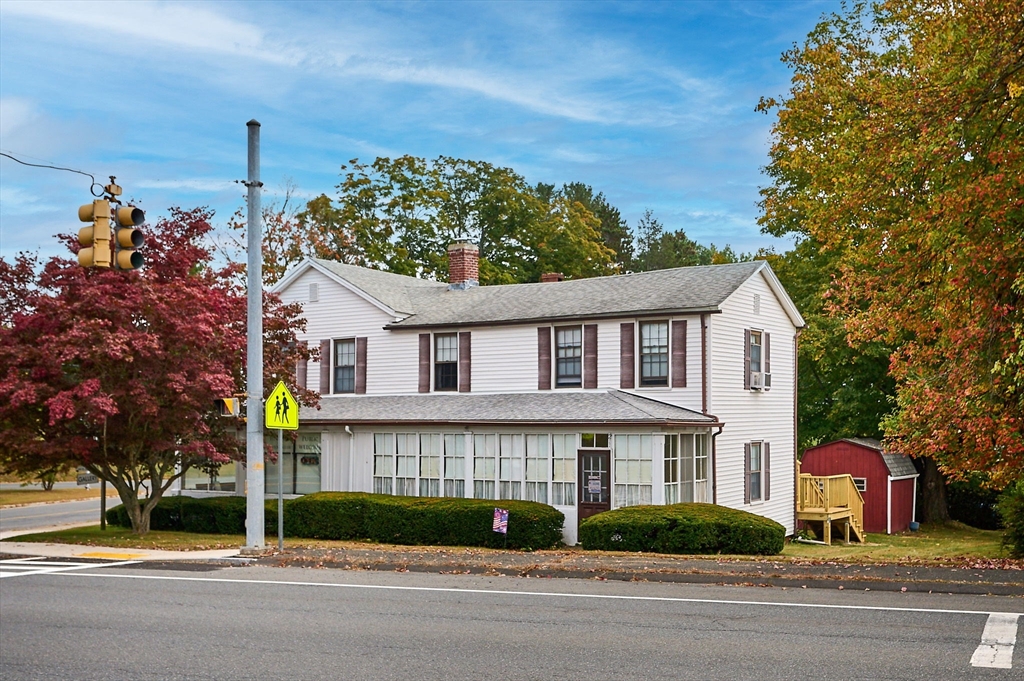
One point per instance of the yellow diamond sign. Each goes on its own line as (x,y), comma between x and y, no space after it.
(282,409)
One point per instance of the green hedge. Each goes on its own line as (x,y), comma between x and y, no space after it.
(421,520)
(683,528)
(208,515)
(377,517)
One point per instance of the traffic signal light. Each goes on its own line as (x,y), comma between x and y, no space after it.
(129,238)
(95,240)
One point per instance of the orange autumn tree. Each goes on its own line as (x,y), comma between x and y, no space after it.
(899,150)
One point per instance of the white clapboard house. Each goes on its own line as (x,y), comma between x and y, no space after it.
(648,388)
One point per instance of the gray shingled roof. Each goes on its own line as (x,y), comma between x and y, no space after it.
(683,289)
(391,289)
(899,465)
(611,407)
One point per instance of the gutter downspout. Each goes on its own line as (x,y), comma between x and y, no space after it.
(704,364)
(351,448)
(913,512)
(796,441)
(888,505)
(714,466)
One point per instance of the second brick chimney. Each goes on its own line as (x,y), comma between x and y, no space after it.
(549,277)
(463,266)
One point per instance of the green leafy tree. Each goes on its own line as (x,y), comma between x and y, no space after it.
(899,150)
(403,213)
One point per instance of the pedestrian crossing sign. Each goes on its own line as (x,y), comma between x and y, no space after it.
(282,409)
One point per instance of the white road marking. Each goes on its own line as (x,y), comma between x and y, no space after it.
(17,567)
(505,592)
(996,649)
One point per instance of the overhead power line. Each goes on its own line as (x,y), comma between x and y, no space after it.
(70,170)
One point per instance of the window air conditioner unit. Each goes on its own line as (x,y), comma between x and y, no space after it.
(767,381)
(756,380)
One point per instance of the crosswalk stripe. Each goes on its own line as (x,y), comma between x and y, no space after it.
(17,567)
(996,648)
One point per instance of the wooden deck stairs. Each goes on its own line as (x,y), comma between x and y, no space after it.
(831,500)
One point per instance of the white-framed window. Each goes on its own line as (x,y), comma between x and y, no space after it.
(383,463)
(755,470)
(653,354)
(454,465)
(538,449)
(430,464)
(755,352)
(634,463)
(594,440)
(405,464)
(446,361)
(345,365)
(485,455)
(510,466)
(568,356)
(861,484)
(686,468)
(563,470)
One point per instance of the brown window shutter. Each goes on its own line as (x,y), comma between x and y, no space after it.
(767,352)
(767,467)
(301,372)
(325,367)
(465,363)
(746,473)
(590,356)
(424,363)
(543,358)
(361,366)
(679,353)
(627,360)
(746,361)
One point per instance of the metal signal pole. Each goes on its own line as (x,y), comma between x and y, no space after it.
(254,473)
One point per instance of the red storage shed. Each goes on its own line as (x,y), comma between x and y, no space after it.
(887,481)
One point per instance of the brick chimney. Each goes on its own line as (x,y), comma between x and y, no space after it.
(463,266)
(549,277)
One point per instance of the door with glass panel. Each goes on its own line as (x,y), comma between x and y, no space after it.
(595,482)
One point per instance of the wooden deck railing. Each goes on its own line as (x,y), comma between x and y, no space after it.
(827,493)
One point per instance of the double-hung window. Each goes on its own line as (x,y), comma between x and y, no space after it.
(755,351)
(345,366)
(485,451)
(405,464)
(446,361)
(510,466)
(755,471)
(569,357)
(537,453)
(563,470)
(634,461)
(454,465)
(653,354)
(430,464)
(686,468)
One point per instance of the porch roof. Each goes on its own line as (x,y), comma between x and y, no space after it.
(605,408)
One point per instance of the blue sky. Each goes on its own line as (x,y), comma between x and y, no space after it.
(650,103)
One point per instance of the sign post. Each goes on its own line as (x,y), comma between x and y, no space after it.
(282,413)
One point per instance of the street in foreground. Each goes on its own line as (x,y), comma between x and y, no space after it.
(119,621)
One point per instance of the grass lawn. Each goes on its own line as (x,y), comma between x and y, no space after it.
(932,543)
(943,544)
(17,497)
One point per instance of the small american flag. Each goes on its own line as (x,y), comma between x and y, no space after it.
(500,520)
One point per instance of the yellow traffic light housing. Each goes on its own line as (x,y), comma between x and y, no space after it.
(129,238)
(95,240)
(227,406)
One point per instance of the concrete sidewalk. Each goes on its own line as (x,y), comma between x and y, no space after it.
(109,552)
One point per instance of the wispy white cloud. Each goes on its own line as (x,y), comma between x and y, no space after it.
(188,26)
(198,184)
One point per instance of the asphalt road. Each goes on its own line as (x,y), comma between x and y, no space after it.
(41,516)
(134,622)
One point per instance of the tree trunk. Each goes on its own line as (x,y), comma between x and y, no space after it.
(932,506)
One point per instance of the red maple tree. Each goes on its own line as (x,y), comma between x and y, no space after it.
(118,371)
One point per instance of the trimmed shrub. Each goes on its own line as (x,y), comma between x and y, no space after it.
(376,517)
(207,515)
(682,528)
(422,520)
(1011,508)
